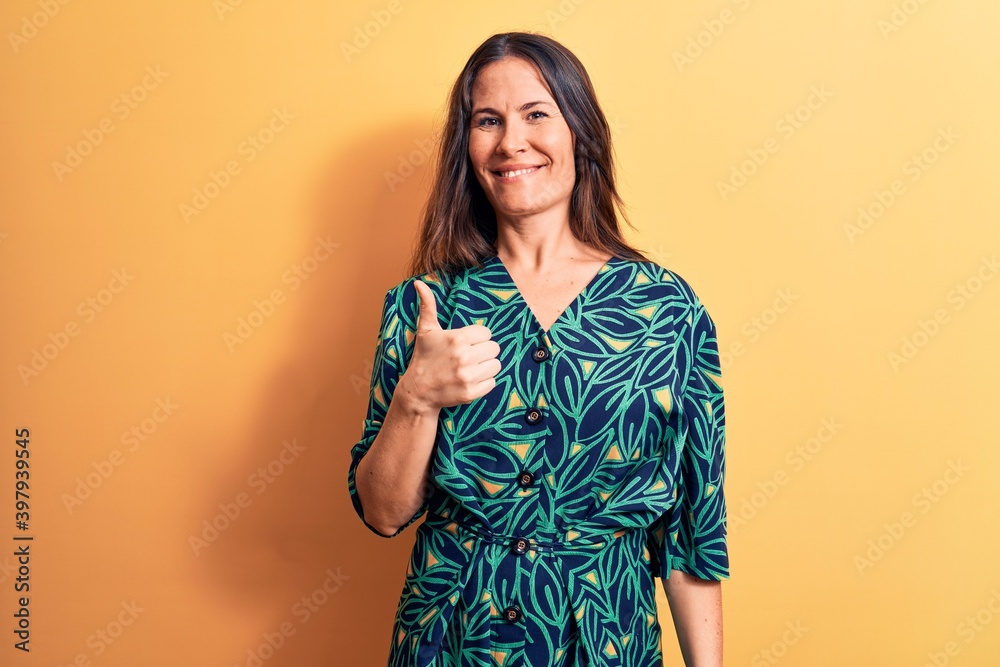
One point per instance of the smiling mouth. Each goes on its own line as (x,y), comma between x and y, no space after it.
(516,172)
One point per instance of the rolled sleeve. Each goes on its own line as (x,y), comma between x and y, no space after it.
(392,351)
(691,536)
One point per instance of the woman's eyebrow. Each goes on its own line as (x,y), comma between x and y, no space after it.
(523,107)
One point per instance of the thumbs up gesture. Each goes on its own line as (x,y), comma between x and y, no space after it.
(449,366)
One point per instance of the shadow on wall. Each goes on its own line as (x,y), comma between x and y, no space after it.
(298,538)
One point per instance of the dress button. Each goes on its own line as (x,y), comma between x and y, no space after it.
(533,416)
(525,478)
(520,545)
(540,354)
(512,614)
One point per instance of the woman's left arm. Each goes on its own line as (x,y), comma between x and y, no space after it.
(696,608)
(689,541)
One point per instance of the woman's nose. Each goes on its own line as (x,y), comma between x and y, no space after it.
(514,138)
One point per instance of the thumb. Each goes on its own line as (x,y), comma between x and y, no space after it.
(427,316)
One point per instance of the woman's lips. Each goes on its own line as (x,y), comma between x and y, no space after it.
(510,174)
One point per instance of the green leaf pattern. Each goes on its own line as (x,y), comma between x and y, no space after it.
(619,482)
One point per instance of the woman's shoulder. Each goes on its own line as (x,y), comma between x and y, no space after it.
(666,280)
(439,280)
(403,299)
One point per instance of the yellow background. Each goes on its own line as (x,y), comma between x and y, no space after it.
(809,310)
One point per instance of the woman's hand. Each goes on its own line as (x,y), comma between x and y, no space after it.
(448,366)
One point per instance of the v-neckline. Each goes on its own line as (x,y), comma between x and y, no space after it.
(565,311)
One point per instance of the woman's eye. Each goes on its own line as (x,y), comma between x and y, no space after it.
(492,121)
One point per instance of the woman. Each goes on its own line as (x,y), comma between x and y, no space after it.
(546,395)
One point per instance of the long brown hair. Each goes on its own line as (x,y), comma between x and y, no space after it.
(459,225)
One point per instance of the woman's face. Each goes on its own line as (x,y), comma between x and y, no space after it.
(519,143)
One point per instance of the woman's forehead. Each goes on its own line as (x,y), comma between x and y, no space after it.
(509,80)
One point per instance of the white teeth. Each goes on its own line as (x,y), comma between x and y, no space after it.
(518,172)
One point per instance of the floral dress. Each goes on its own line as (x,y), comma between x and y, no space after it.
(595,465)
